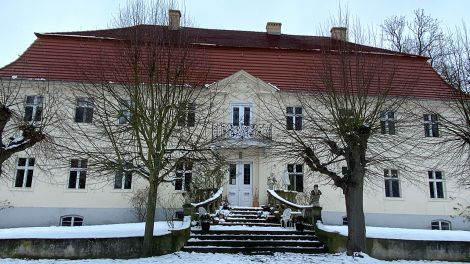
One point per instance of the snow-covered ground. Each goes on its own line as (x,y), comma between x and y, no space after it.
(96,231)
(208,258)
(404,233)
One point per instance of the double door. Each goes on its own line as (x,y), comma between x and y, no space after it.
(240,183)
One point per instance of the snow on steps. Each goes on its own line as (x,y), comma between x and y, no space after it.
(244,232)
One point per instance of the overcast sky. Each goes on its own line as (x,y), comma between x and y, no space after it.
(19,19)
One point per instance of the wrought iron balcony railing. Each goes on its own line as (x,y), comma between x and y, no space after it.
(229,131)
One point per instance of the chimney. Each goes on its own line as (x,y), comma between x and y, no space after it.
(273,28)
(174,19)
(339,33)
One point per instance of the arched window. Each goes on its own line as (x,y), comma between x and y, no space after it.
(71,220)
(441,225)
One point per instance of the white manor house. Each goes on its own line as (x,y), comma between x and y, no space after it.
(250,69)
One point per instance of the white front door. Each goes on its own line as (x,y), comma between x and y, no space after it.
(240,184)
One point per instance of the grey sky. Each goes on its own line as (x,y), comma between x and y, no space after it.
(21,18)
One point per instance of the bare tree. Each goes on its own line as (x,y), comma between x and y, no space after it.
(150,106)
(421,36)
(27,117)
(342,129)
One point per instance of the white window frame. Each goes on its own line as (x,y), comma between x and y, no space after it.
(78,171)
(124,115)
(433,180)
(293,176)
(38,101)
(190,110)
(388,182)
(73,221)
(295,117)
(87,104)
(429,132)
(387,122)
(439,223)
(26,168)
(180,174)
(124,176)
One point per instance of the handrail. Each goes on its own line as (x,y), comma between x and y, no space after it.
(211,199)
(288,203)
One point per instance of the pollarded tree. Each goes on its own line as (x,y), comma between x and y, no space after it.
(347,124)
(27,117)
(145,107)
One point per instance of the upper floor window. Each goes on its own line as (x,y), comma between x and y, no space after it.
(124,114)
(84,110)
(77,176)
(392,183)
(184,174)
(441,225)
(436,184)
(188,117)
(24,172)
(296,177)
(33,108)
(71,220)
(294,118)
(123,179)
(431,125)
(387,122)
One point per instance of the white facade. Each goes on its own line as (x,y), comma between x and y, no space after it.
(253,164)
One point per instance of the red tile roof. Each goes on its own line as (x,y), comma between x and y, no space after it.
(289,62)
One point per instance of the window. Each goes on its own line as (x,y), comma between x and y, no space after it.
(392,183)
(71,220)
(84,110)
(33,108)
(184,174)
(436,184)
(188,117)
(124,114)
(77,177)
(24,172)
(123,179)
(232,180)
(294,118)
(246,173)
(296,177)
(431,125)
(387,122)
(441,225)
(345,220)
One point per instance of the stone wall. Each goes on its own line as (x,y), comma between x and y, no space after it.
(391,249)
(116,248)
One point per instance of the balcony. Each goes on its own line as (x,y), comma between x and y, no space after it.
(250,133)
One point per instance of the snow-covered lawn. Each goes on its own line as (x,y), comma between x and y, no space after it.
(93,231)
(404,233)
(208,258)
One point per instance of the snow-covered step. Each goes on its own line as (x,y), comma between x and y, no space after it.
(244,230)
(254,250)
(246,220)
(253,243)
(244,215)
(250,224)
(253,237)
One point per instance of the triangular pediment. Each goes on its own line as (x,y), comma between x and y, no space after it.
(242,82)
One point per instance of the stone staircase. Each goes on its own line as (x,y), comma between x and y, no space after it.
(244,232)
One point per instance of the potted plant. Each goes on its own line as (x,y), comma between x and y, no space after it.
(205,222)
(299,223)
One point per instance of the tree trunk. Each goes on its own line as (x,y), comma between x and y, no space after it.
(355,213)
(147,247)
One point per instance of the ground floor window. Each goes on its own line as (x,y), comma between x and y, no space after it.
(392,183)
(440,225)
(71,220)
(296,177)
(24,172)
(184,174)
